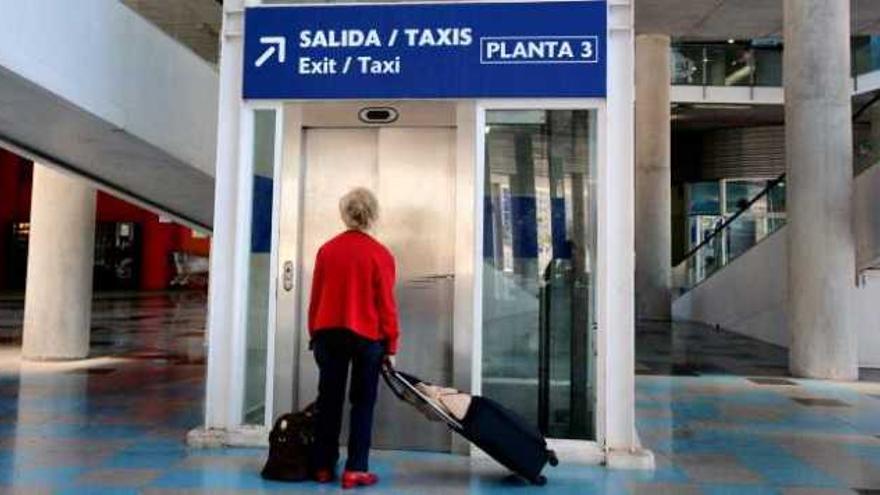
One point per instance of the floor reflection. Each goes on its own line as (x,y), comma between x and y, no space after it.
(722,416)
(716,409)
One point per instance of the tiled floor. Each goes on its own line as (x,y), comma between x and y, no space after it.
(114,424)
(721,417)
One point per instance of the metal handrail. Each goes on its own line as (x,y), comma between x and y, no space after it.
(718,230)
(773,183)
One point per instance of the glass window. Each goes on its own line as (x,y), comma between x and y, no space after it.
(739,192)
(539,258)
(768,66)
(704,198)
(259,276)
(729,65)
(754,63)
(687,64)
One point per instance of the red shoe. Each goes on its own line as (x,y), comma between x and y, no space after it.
(324,475)
(351,479)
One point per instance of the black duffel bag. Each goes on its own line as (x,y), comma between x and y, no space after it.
(290,446)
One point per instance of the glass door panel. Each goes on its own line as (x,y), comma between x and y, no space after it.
(259,271)
(539,277)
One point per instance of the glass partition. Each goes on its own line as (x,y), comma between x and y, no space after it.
(727,64)
(687,65)
(755,219)
(539,259)
(704,211)
(756,62)
(866,135)
(865,54)
(259,273)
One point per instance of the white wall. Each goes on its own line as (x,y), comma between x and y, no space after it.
(867,309)
(748,297)
(734,95)
(866,209)
(102,57)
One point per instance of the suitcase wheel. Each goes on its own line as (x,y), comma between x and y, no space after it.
(552,459)
(540,481)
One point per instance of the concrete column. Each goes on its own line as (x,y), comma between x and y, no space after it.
(58,296)
(819,154)
(653,228)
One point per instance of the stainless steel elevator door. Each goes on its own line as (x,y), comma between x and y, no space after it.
(411,170)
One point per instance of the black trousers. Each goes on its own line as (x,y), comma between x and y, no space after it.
(335,352)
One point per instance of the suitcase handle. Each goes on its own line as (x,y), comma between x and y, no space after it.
(400,385)
(395,387)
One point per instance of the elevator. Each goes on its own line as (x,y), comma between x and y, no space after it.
(410,164)
(505,189)
(410,169)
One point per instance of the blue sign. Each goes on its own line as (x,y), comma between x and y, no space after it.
(428,50)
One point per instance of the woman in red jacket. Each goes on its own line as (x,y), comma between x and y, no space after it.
(352,322)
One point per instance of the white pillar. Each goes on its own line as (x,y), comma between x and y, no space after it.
(61,252)
(819,154)
(653,202)
(616,253)
(225,360)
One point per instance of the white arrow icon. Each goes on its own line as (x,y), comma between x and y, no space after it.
(277,43)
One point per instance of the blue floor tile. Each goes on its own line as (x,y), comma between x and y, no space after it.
(782,469)
(740,490)
(96,490)
(220,479)
(40,477)
(144,460)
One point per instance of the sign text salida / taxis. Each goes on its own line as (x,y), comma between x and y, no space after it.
(426,50)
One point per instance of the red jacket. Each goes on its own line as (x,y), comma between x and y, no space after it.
(353,288)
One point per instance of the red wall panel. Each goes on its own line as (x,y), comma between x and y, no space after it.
(158,239)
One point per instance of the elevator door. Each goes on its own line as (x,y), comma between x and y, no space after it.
(411,170)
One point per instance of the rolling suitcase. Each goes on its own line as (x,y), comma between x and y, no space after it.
(499,432)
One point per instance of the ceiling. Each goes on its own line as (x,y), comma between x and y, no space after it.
(706,117)
(46,128)
(739,19)
(195,23)
(689,117)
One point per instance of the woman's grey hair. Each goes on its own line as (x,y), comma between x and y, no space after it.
(359,209)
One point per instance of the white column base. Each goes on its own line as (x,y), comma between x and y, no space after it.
(568,451)
(634,459)
(212,438)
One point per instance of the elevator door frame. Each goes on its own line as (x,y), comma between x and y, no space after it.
(468,119)
(285,342)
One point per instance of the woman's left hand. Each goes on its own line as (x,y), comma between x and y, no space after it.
(390,360)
